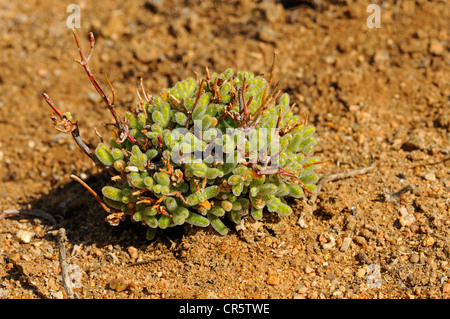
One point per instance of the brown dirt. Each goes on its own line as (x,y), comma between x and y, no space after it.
(374,94)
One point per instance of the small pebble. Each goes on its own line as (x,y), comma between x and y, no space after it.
(302,289)
(362,257)
(361,240)
(308,269)
(428,241)
(406,219)
(446,288)
(301,222)
(436,48)
(133,252)
(273,280)
(430,176)
(361,272)
(346,243)
(57,295)
(118,284)
(4,293)
(414,258)
(330,59)
(24,236)
(330,244)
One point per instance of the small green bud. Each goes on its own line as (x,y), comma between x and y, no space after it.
(151,221)
(165,190)
(309,179)
(197,220)
(137,217)
(226,205)
(112,193)
(234,216)
(237,189)
(218,211)
(212,173)
(157,188)
(294,144)
(256,213)
(119,165)
(178,219)
(217,224)
(267,189)
(159,119)
(137,182)
(234,180)
(151,153)
(240,170)
(149,182)
(199,112)
(132,121)
(182,211)
(192,199)
(163,221)
(283,209)
(180,118)
(104,154)
(211,191)
(150,211)
(295,191)
(151,232)
(162,178)
(171,204)
(272,205)
(117,154)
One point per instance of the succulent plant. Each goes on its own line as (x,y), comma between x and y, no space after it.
(223,145)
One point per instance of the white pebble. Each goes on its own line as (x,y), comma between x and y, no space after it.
(430,176)
(83,176)
(346,243)
(301,222)
(24,236)
(57,295)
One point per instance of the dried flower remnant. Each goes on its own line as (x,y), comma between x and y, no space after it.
(224,145)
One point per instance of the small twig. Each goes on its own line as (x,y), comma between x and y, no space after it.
(32,212)
(84,62)
(269,84)
(280,115)
(243,103)
(70,127)
(433,163)
(346,174)
(62,239)
(113,92)
(337,176)
(392,197)
(101,202)
(143,262)
(199,93)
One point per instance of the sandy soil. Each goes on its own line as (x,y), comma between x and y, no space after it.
(376,95)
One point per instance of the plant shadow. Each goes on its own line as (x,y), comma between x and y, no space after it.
(83,218)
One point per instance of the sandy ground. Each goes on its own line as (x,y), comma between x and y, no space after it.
(376,95)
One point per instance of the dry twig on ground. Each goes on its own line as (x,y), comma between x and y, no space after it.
(337,176)
(31,212)
(62,239)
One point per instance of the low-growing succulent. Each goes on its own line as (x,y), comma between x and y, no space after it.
(224,145)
